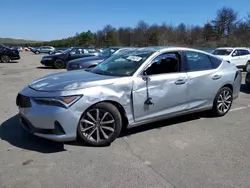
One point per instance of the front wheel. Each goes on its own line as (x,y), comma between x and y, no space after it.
(5,59)
(100,125)
(59,64)
(222,102)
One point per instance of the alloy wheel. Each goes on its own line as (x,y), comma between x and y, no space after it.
(224,102)
(97,125)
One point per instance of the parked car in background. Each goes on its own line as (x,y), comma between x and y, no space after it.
(8,54)
(240,57)
(26,49)
(90,62)
(127,90)
(43,49)
(58,50)
(60,60)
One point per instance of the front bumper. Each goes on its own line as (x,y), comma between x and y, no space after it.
(49,122)
(47,62)
(15,57)
(237,84)
(73,67)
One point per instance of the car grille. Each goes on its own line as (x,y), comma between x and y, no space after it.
(23,101)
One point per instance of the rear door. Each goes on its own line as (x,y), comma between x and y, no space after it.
(204,79)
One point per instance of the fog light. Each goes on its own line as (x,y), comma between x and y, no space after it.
(58,130)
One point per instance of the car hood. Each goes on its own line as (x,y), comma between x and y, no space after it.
(71,80)
(86,59)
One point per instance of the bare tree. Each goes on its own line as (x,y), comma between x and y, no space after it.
(225,22)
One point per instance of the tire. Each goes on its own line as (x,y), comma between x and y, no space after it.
(217,109)
(59,64)
(247,64)
(37,52)
(106,135)
(5,59)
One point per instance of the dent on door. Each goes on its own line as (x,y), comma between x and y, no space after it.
(159,95)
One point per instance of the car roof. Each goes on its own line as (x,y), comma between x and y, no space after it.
(232,48)
(170,48)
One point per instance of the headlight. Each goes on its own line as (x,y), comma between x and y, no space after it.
(47,58)
(63,101)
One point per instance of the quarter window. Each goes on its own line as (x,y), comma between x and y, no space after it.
(197,61)
(215,62)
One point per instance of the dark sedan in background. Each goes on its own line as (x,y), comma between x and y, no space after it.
(7,54)
(60,60)
(90,62)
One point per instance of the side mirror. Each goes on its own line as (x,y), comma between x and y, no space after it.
(234,54)
(145,75)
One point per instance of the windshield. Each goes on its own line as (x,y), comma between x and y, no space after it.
(122,64)
(67,50)
(222,52)
(108,52)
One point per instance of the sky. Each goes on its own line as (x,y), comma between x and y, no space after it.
(55,19)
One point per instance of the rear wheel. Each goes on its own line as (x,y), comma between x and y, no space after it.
(223,101)
(100,125)
(5,59)
(37,52)
(59,64)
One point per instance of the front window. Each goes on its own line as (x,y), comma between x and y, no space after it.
(223,52)
(108,52)
(122,64)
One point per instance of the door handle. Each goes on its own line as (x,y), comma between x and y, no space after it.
(180,81)
(216,77)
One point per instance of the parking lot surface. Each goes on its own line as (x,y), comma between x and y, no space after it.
(193,151)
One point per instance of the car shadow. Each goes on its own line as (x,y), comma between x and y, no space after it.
(165,123)
(13,133)
(14,62)
(44,67)
(245,88)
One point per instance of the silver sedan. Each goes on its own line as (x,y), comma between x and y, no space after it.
(127,90)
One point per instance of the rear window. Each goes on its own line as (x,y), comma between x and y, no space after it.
(215,62)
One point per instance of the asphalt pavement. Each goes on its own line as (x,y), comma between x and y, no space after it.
(194,151)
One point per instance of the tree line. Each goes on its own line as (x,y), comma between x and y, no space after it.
(226,29)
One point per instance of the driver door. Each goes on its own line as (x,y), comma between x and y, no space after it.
(163,91)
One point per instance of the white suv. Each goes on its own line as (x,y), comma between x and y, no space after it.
(238,56)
